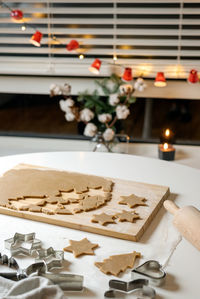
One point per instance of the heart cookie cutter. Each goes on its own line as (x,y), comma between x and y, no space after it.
(138,288)
(150,270)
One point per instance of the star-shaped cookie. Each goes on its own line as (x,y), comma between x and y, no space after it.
(83,246)
(132,200)
(103,218)
(129,216)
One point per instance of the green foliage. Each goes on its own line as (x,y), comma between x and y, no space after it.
(110,85)
(131,100)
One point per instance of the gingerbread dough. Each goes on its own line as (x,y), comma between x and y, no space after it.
(118,263)
(129,216)
(81,247)
(132,201)
(47,186)
(103,218)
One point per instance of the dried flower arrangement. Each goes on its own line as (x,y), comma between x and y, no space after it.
(99,114)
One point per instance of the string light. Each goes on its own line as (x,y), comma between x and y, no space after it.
(95,66)
(36,38)
(160,80)
(81,56)
(17,14)
(23,27)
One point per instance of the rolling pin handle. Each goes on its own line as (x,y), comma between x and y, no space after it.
(170,206)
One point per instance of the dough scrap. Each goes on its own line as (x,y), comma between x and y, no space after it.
(47,185)
(132,201)
(129,216)
(63,211)
(103,218)
(81,247)
(118,263)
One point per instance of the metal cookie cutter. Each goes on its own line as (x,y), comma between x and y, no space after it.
(150,270)
(67,282)
(138,288)
(52,258)
(14,244)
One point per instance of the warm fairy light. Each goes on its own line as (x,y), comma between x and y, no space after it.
(81,56)
(167,132)
(165,146)
(23,27)
(115,57)
(160,80)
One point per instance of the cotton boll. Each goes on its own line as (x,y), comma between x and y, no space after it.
(140,85)
(69,116)
(65,105)
(70,102)
(104,117)
(86,115)
(122,112)
(90,130)
(66,89)
(113,99)
(108,134)
(55,90)
(141,88)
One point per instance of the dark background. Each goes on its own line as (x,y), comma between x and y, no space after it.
(40,116)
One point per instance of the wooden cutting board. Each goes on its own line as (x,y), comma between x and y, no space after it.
(155,195)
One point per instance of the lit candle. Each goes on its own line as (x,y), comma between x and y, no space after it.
(166,152)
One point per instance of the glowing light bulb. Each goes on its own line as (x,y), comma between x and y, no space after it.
(115,57)
(81,56)
(23,27)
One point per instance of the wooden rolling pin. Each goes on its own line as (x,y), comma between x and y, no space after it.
(187,221)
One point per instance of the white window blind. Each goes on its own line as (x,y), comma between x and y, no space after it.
(149,36)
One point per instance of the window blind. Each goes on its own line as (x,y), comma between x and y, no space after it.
(148,36)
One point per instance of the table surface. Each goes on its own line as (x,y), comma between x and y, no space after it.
(185,154)
(184,264)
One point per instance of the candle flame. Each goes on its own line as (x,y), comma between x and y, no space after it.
(165,146)
(167,132)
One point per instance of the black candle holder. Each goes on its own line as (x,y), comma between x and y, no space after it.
(168,153)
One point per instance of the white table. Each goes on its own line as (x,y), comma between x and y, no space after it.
(183,267)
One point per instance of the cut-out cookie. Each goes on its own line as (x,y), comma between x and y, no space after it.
(132,200)
(103,218)
(129,216)
(118,263)
(91,203)
(81,247)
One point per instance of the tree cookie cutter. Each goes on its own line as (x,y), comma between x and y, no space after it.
(150,270)
(138,288)
(67,282)
(14,244)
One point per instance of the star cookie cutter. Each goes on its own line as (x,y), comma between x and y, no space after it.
(52,258)
(138,288)
(150,270)
(14,244)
